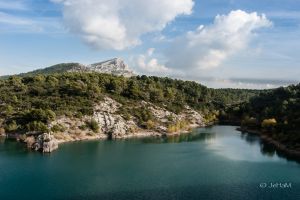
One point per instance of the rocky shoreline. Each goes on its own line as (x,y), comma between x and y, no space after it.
(47,143)
(280,147)
(109,122)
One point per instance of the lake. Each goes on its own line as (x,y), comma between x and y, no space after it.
(217,162)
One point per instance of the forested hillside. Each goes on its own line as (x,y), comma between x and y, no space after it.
(31,102)
(276,113)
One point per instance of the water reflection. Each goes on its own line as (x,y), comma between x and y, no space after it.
(250,139)
(188,137)
(2,140)
(266,149)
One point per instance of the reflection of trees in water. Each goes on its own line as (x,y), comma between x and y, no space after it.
(266,148)
(250,139)
(270,150)
(188,137)
(2,140)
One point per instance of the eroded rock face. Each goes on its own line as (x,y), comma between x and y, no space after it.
(111,123)
(44,142)
(163,115)
(192,116)
(115,66)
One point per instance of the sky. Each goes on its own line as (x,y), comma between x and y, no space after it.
(219,43)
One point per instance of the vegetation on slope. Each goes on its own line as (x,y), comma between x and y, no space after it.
(59,68)
(276,113)
(29,103)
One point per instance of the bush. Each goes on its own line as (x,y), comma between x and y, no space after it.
(58,128)
(40,115)
(37,126)
(93,125)
(250,122)
(269,123)
(150,124)
(11,126)
(143,115)
(178,126)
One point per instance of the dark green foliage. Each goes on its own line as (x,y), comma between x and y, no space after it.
(58,128)
(31,101)
(142,114)
(59,68)
(37,126)
(275,112)
(93,125)
(11,126)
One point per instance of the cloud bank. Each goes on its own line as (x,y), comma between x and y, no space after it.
(119,24)
(207,47)
(148,64)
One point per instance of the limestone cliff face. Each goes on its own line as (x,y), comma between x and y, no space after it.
(115,66)
(113,125)
(45,143)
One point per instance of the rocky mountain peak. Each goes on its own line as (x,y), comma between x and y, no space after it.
(114,66)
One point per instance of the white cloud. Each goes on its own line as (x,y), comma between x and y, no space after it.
(119,24)
(208,47)
(13,20)
(12,5)
(146,63)
(246,84)
(11,23)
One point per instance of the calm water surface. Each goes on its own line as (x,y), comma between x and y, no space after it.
(210,163)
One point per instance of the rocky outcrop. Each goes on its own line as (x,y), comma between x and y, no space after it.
(109,118)
(112,124)
(195,118)
(114,66)
(45,143)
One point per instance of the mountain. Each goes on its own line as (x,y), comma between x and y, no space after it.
(114,66)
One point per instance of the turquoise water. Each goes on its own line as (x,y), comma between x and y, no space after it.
(210,163)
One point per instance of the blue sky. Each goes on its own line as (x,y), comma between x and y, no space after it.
(40,33)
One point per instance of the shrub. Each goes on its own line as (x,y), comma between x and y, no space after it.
(268,123)
(93,125)
(58,128)
(39,115)
(11,126)
(250,122)
(37,126)
(150,124)
(178,126)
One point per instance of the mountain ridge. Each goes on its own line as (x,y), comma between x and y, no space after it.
(114,66)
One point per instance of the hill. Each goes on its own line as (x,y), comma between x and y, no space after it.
(114,66)
(273,114)
(118,106)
